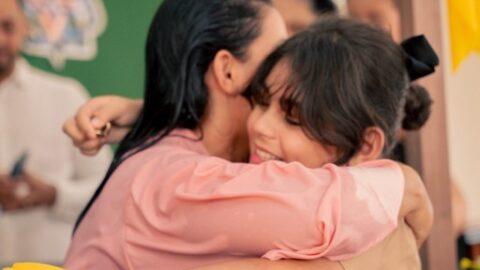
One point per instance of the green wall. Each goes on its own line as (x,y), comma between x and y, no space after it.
(119,65)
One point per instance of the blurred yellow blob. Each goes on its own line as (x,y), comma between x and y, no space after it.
(464,22)
(32,266)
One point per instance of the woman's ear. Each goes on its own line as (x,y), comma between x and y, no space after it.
(372,146)
(223,71)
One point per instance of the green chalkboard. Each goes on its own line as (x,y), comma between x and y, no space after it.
(119,65)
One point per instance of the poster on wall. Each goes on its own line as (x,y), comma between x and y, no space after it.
(63,30)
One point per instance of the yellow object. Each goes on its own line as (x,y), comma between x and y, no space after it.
(465,263)
(464,22)
(32,266)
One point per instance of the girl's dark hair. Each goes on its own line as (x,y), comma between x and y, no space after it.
(417,107)
(345,77)
(183,39)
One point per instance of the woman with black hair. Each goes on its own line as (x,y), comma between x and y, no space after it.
(167,202)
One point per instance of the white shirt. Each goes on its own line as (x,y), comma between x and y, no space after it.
(33,106)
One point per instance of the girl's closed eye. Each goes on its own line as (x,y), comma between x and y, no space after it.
(291,111)
(292,120)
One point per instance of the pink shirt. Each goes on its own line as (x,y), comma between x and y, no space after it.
(173,206)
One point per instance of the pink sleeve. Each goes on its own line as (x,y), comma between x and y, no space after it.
(203,205)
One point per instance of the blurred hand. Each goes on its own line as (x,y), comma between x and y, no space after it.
(8,199)
(36,193)
(40,193)
(94,115)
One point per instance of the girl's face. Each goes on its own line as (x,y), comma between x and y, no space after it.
(274,135)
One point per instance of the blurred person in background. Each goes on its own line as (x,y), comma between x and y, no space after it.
(44,180)
(381,13)
(299,14)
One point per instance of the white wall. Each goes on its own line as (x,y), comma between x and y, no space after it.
(463,123)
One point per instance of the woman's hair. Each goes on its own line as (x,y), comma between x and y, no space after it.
(345,77)
(183,39)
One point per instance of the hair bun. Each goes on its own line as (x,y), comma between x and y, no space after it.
(418,107)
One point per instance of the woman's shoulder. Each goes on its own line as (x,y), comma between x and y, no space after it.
(153,168)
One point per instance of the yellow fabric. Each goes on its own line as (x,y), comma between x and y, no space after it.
(464,22)
(32,266)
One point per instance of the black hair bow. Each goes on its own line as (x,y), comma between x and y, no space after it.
(421,58)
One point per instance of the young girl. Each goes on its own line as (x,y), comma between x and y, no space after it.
(318,100)
(169,204)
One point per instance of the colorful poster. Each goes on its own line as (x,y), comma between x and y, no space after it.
(64,29)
